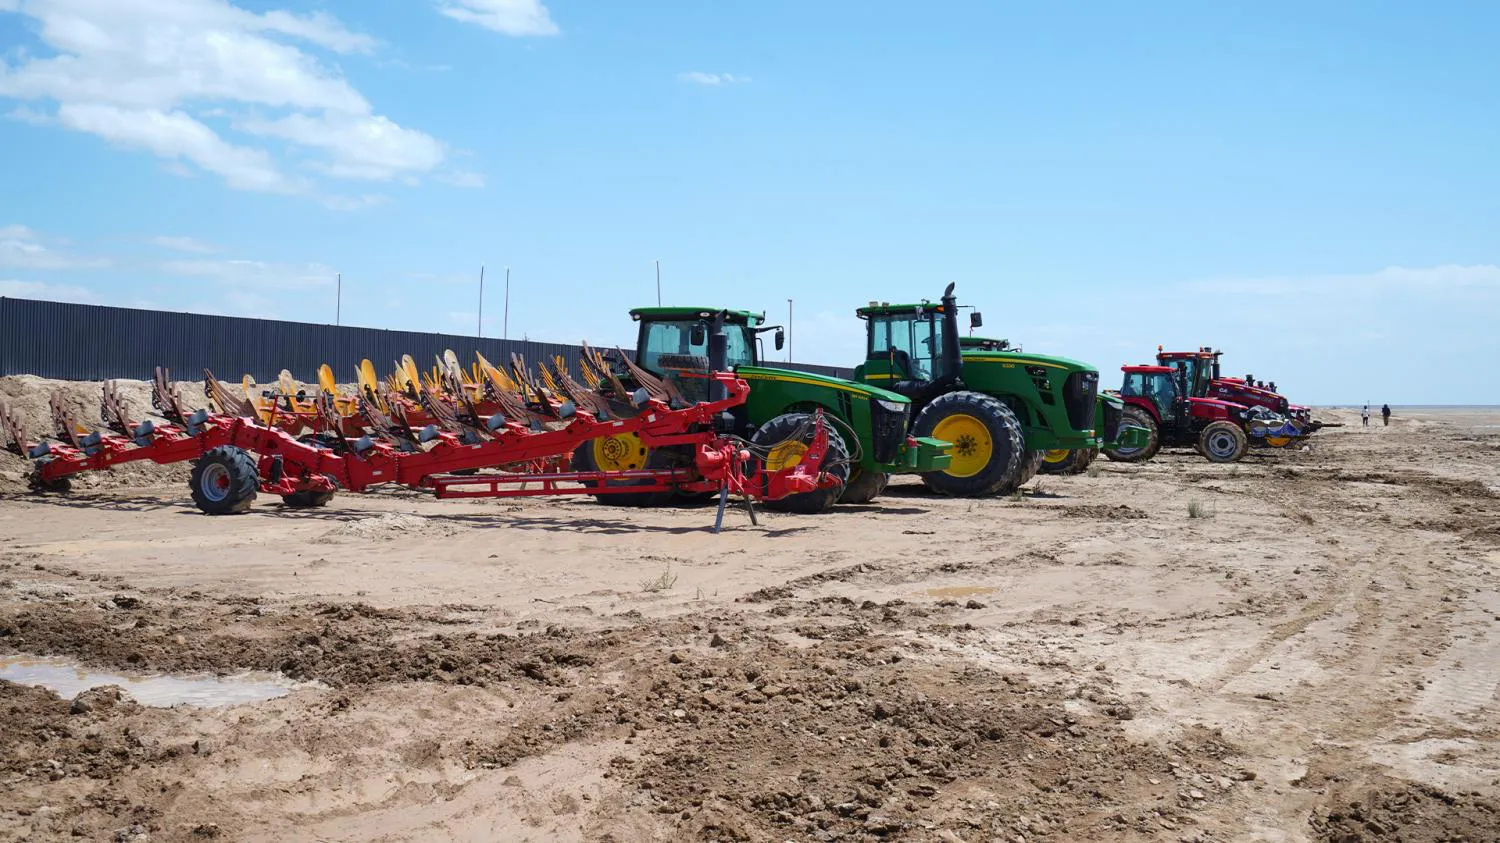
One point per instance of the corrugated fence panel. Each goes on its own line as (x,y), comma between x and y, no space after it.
(93,342)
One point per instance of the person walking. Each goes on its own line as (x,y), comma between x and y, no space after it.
(1364,415)
(1385,414)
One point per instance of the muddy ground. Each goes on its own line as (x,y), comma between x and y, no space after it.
(1316,658)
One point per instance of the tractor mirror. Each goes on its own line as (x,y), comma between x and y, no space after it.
(698,335)
(780,339)
(976,320)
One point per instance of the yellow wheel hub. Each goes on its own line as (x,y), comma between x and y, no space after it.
(622,452)
(972,446)
(785,455)
(1056,456)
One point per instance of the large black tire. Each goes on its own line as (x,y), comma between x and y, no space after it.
(1134,415)
(798,427)
(1223,441)
(224,481)
(1007,459)
(1073,462)
(865,486)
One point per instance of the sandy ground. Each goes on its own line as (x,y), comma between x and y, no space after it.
(1316,659)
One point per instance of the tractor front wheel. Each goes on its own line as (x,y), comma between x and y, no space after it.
(1139,418)
(1223,441)
(781,443)
(989,449)
(1067,462)
(224,481)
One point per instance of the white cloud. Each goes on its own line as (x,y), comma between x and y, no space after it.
(698,77)
(48,292)
(184,244)
(145,74)
(23,248)
(510,17)
(362,146)
(175,135)
(462,178)
(246,275)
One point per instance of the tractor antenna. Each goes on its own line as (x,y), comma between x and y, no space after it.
(658,282)
(479,331)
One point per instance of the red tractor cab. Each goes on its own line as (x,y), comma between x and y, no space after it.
(1160,399)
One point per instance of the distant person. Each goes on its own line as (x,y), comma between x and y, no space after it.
(1385,413)
(1364,415)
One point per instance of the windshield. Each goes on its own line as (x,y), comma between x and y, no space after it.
(1157,387)
(912,343)
(675,337)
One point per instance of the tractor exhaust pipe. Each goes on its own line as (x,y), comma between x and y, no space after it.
(952,352)
(718,356)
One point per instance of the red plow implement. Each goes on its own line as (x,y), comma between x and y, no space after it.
(433,435)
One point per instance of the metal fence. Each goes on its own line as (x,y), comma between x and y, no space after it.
(92,342)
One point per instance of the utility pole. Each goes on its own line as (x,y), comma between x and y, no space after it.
(505,325)
(658,282)
(338,302)
(479,332)
(788,330)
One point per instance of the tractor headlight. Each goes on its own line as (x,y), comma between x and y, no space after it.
(891,406)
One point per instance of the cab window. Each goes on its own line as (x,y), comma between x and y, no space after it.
(676,337)
(912,343)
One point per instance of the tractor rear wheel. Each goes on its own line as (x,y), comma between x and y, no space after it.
(989,449)
(1068,462)
(622,453)
(1223,441)
(864,486)
(781,442)
(224,481)
(1139,418)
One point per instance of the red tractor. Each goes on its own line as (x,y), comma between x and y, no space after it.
(1172,404)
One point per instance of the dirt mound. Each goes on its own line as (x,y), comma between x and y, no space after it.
(758,740)
(1413,813)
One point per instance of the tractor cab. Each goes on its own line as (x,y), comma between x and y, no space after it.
(913,349)
(686,331)
(1202,367)
(1157,389)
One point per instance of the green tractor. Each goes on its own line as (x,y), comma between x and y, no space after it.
(1003,410)
(1111,431)
(867,426)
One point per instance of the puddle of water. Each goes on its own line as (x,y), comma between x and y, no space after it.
(961,590)
(67,680)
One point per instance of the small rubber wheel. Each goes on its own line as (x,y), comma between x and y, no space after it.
(224,481)
(309,498)
(58,486)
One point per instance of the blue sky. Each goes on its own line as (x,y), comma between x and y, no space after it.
(1313,187)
